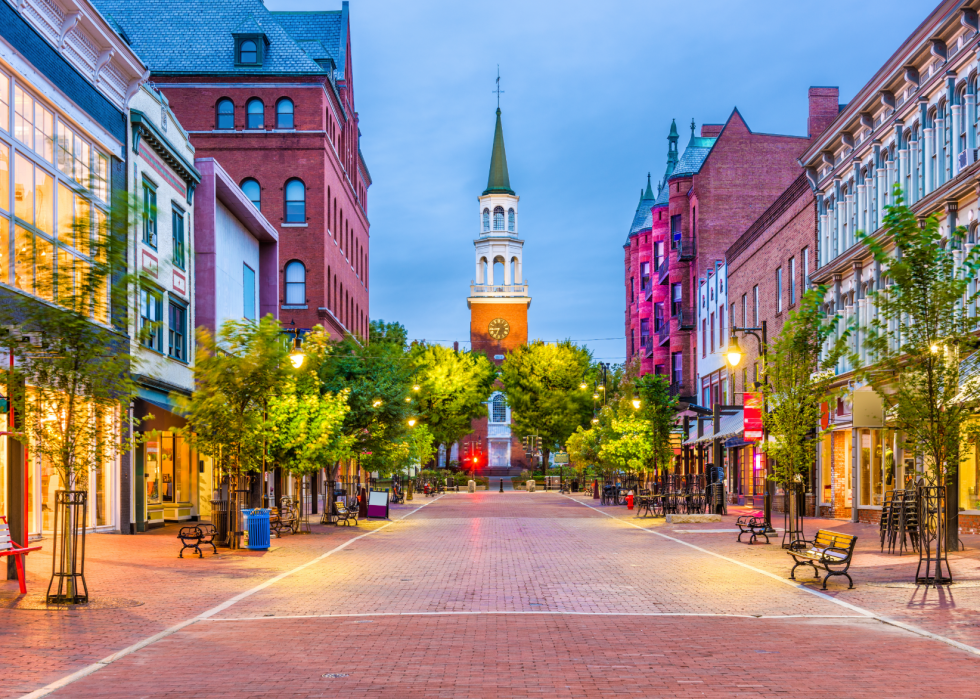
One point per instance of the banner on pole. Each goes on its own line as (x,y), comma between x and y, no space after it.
(752,417)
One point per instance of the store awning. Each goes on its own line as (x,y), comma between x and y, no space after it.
(730,426)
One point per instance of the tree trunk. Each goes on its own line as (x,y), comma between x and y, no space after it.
(545,458)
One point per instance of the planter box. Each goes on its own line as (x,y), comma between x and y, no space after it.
(692,519)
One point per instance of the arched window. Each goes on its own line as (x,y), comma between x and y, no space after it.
(498,408)
(498,271)
(248,52)
(498,218)
(486,220)
(226,114)
(295,283)
(255,114)
(254,193)
(511,220)
(295,201)
(284,113)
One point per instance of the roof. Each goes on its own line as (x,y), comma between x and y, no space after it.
(499,180)
(160,34)
(729,426)
(693,157)
(643,218)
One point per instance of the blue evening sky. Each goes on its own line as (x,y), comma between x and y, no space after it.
(590,89)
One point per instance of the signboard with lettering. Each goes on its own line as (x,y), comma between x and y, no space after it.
(752,417)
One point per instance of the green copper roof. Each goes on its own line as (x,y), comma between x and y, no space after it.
(499,180)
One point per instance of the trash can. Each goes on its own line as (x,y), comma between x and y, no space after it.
(257,526)
(219,518)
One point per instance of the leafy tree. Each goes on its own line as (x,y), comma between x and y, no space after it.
(659,409)
(543,385)
(377,378)
(236,373)
(453,390)
(919,337)
(628,442)
(795,387)
(305,422)
(72,380)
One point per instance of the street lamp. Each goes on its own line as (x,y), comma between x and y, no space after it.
(583,385)
(412,421)
(734,353)
(636,401)
(734,356)
(377,403)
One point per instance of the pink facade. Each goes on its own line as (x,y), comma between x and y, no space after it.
(214,237)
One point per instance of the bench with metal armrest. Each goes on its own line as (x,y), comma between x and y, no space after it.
(829,550)
(9,547)
(752,524)
(345,514)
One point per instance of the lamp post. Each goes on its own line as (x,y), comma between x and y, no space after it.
(734,356)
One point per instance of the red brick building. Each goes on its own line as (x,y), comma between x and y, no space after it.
(270,96)
(725,178)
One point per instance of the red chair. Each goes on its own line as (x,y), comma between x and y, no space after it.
(9,547)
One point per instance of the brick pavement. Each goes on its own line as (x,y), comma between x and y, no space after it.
(486,595)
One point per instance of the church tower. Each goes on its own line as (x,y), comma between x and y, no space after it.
(498,299)
(498,304)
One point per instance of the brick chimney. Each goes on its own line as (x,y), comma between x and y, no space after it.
(824,105)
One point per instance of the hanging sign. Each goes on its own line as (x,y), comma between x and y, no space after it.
(752,417)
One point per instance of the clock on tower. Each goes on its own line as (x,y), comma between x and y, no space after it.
(499,297)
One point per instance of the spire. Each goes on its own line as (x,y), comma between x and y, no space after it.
(649,193)
(499,180)
(671,148)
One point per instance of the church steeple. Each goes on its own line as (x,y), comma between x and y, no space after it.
(499,180)
(672,156)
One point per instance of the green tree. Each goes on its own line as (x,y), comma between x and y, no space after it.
(918,339)
(795,387)
(236,373)
(453,390)
(659,409)
(378,379)
(628,444)
(71,378)
(305,422)
(543,384)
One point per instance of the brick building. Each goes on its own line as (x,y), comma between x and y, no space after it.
(914,123)
(722,182)
(768,271)
(270,96)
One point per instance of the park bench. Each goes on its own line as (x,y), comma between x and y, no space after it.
(193,537)
(345,514)
(284,517)
(754,524)
(828,550)
(9,547)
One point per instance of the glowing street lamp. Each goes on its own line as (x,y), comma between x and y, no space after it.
(377,403)
(734,352)
(297,356)
(636,401)
(412,421)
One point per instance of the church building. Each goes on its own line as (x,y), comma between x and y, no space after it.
(498,304)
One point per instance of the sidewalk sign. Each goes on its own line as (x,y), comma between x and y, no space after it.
(378,504)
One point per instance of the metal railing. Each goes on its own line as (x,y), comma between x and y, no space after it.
(681,389)
(646,345)
(498,289)
(685,317)
(686,249)
(663,332)
(663,271)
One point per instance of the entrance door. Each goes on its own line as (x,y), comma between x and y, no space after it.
(498,455)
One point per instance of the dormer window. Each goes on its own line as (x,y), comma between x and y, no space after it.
(248,52)
(249,49)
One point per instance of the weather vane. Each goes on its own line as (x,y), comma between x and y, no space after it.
(498,91)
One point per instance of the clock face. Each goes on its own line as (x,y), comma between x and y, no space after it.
(499,328)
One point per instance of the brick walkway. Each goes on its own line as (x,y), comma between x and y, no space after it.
(495,595)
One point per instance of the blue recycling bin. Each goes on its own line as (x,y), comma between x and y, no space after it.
(257,526)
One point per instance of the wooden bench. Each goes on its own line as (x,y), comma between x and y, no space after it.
(9,547)
(284,517)
(192,537)
(755,525)
(345,514)
(829,550)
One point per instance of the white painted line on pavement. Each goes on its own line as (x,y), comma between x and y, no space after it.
(799,586)
(520,612)
(98,665)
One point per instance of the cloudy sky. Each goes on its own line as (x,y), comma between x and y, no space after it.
(590,89)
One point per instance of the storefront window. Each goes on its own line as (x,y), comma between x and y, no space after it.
(176,469)
(826,461)
(50,484)
(153,474)
(969,479)
(3,477)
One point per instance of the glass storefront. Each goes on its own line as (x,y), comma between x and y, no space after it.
(877,476)
(171,478)
(970,478)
